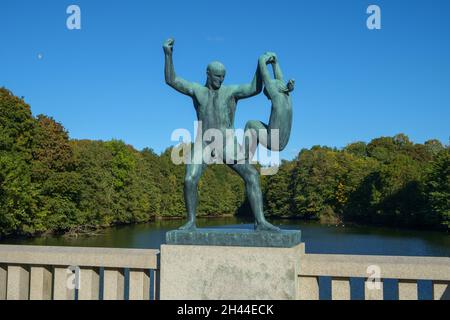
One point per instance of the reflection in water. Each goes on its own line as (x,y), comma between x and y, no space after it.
(319,238)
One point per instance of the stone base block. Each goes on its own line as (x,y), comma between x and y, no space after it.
(235,237)
(233,273)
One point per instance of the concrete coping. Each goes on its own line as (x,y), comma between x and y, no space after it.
(391,267)
(79,256)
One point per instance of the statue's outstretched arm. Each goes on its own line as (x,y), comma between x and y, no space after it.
(178,83)
(277,70)
(263,60)
(249,90)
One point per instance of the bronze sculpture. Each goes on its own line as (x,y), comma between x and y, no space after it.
(215,105)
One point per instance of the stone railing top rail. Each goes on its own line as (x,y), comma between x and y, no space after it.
(392,267)
(79,256)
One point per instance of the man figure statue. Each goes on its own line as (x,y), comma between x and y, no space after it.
(215,105)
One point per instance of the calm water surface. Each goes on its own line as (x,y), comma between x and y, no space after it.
(319,238)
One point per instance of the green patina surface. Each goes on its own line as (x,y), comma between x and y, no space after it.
(235,237)
(215,105)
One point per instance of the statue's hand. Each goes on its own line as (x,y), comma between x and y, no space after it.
(291,85)
(168,46)
(271,57)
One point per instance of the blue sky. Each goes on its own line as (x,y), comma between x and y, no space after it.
(106,80)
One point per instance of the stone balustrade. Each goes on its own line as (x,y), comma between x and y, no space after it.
(407,270)
(42,273)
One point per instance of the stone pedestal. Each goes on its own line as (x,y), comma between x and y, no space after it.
(193,272)
(235,237)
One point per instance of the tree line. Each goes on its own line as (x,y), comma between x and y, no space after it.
(50,183)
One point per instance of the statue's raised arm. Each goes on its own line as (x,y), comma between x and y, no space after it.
(249,89)
(172,79)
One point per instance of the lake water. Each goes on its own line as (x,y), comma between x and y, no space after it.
(319,238)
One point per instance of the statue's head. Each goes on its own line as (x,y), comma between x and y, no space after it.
(216,74)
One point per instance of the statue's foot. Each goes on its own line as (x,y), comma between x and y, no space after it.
(188,226)
(266,226)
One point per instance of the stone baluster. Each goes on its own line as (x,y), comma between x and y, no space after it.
(89,284)
(340,288)
(18,283)
(308,288)
(113,284)
(63,286)
(3,279)
(441,290)
(139,284)
(40,283)
(373,290)
(407,290)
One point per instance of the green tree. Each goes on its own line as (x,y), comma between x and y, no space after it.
(357,148)
(17,193)
(438,188)
(53,175)
(278,193)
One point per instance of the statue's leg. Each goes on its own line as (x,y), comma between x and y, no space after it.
(253,137)
(253,190)
(280,120)
(193,174)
